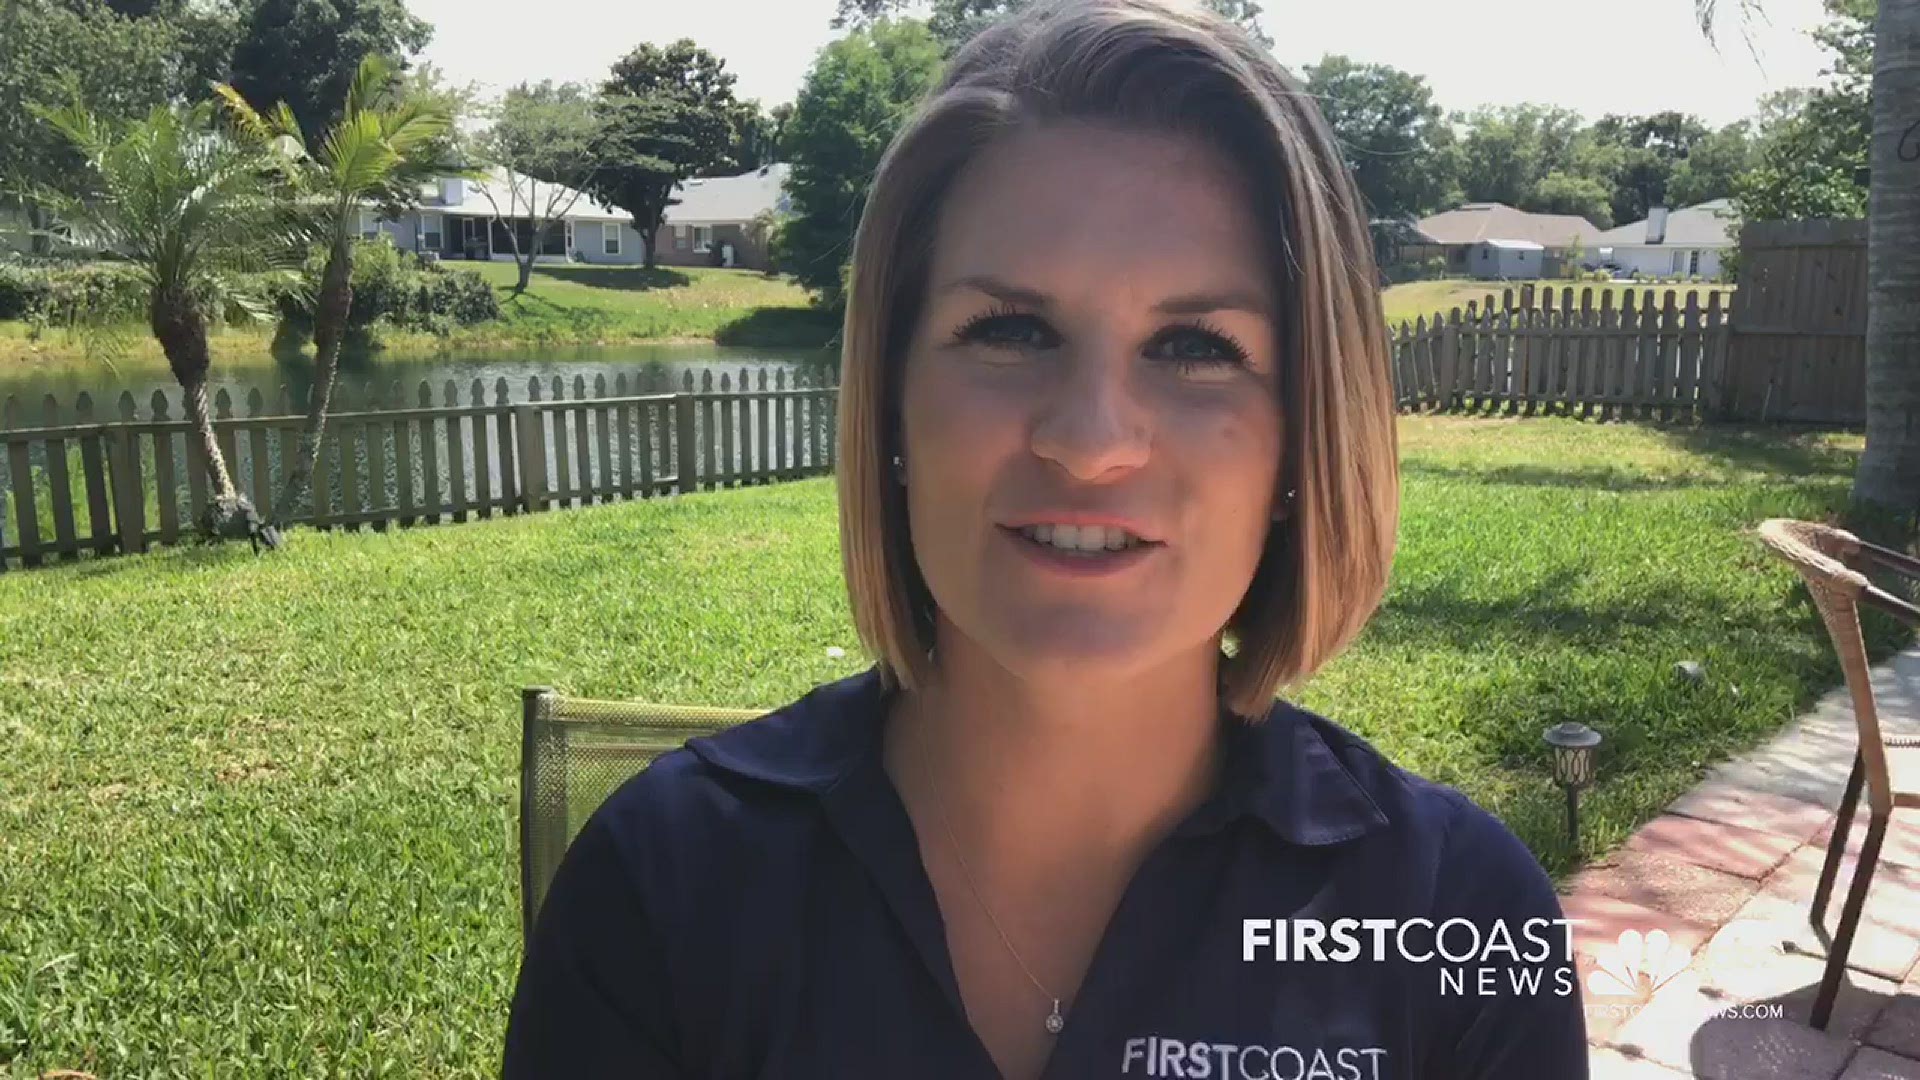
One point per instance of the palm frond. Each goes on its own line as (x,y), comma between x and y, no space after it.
(372,83)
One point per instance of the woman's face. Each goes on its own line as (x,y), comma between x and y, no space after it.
(1097,345)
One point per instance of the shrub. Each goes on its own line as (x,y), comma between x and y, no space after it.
(23,291)
(395,289)
(86,294)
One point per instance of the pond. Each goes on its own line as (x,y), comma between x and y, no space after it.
(365,374)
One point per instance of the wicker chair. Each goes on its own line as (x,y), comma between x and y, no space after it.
(1888,766)
(573,753)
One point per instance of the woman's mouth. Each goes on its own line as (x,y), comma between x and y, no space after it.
(1081,549)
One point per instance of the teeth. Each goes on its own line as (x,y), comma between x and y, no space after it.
(1085,539)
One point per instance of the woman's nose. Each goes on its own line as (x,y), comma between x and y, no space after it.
(1092,420)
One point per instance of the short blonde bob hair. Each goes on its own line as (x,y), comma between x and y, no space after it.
(1154,65)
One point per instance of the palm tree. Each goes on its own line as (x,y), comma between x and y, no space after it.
(1888,478)
(193,206)
(378,154)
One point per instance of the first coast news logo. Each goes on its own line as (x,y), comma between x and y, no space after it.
(1480,959)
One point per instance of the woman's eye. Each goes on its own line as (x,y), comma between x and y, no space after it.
(1190,347)
(1009,331)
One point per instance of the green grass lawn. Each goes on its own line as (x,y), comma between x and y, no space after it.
(578,304)
(254,822)
(564,304)
(1412,299)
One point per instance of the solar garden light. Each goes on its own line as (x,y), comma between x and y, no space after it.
(1573,747)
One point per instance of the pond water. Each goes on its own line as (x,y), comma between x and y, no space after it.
(361,375)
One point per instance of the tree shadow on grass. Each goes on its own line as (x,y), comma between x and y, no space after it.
(623,278)
(781,328)
(1600,478)
(1796,452)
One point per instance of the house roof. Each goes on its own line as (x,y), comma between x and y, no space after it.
(473,199)
(1475,222)
(1708,225)
(730,198)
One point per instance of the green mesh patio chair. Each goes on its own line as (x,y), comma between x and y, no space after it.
(573,753)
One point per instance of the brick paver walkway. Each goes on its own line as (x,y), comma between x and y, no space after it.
(1728,873)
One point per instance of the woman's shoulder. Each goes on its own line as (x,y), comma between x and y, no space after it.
(760,775)
(1464,839)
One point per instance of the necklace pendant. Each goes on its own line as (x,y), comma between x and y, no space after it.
(1055,1022)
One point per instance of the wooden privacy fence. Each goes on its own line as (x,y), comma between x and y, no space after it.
(1646,356)
(1800,323)
(85,483)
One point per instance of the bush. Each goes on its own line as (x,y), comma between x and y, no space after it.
(93,293)
(768,232)
(23,291)
(395,289)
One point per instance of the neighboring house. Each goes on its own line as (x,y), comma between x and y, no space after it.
(1506,259)
(1487,240)
(711,224)
(456,220)
(1690,240)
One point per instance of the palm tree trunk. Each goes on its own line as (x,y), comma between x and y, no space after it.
(329,331)
(1889,473)
(182,332)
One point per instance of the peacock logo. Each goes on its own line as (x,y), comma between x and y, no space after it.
(1637,965)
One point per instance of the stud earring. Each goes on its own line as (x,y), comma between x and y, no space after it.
(1286,506)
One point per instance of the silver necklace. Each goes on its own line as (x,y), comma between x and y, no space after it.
(1055,1021)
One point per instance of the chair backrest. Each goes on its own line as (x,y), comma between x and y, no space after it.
(1827,559)
(574,752)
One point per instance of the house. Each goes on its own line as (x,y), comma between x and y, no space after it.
(1506,259)
(1689,240)
(711,225)
(456,219)
(1490,240)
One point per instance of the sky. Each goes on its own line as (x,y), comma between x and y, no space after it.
(1623,56)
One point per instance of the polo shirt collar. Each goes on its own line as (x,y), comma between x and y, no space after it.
(1281,772)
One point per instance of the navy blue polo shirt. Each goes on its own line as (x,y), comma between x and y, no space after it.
(754,905)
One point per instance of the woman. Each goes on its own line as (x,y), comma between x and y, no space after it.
(1115,398)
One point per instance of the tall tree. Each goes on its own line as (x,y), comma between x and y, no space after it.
(1395,139)
(671,114)
(1567,193)
(639,146)
(189,204)
(53,53)
(1809,159)
(1888,478)
(954,21)
(755,138)
(1650,149)
(383,149)
(1506,151)
(541,152)
(308,52)
(1712,170)
(853,101)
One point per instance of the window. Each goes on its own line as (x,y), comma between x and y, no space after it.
(570,243)
(1679,262)
(702,237)
(1693,261)
(432,232)
(610,237)
(369,226)
(679,238)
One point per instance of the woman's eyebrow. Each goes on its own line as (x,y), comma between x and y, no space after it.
(1190,304)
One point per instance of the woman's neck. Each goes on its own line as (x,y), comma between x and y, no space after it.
(1030,773)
